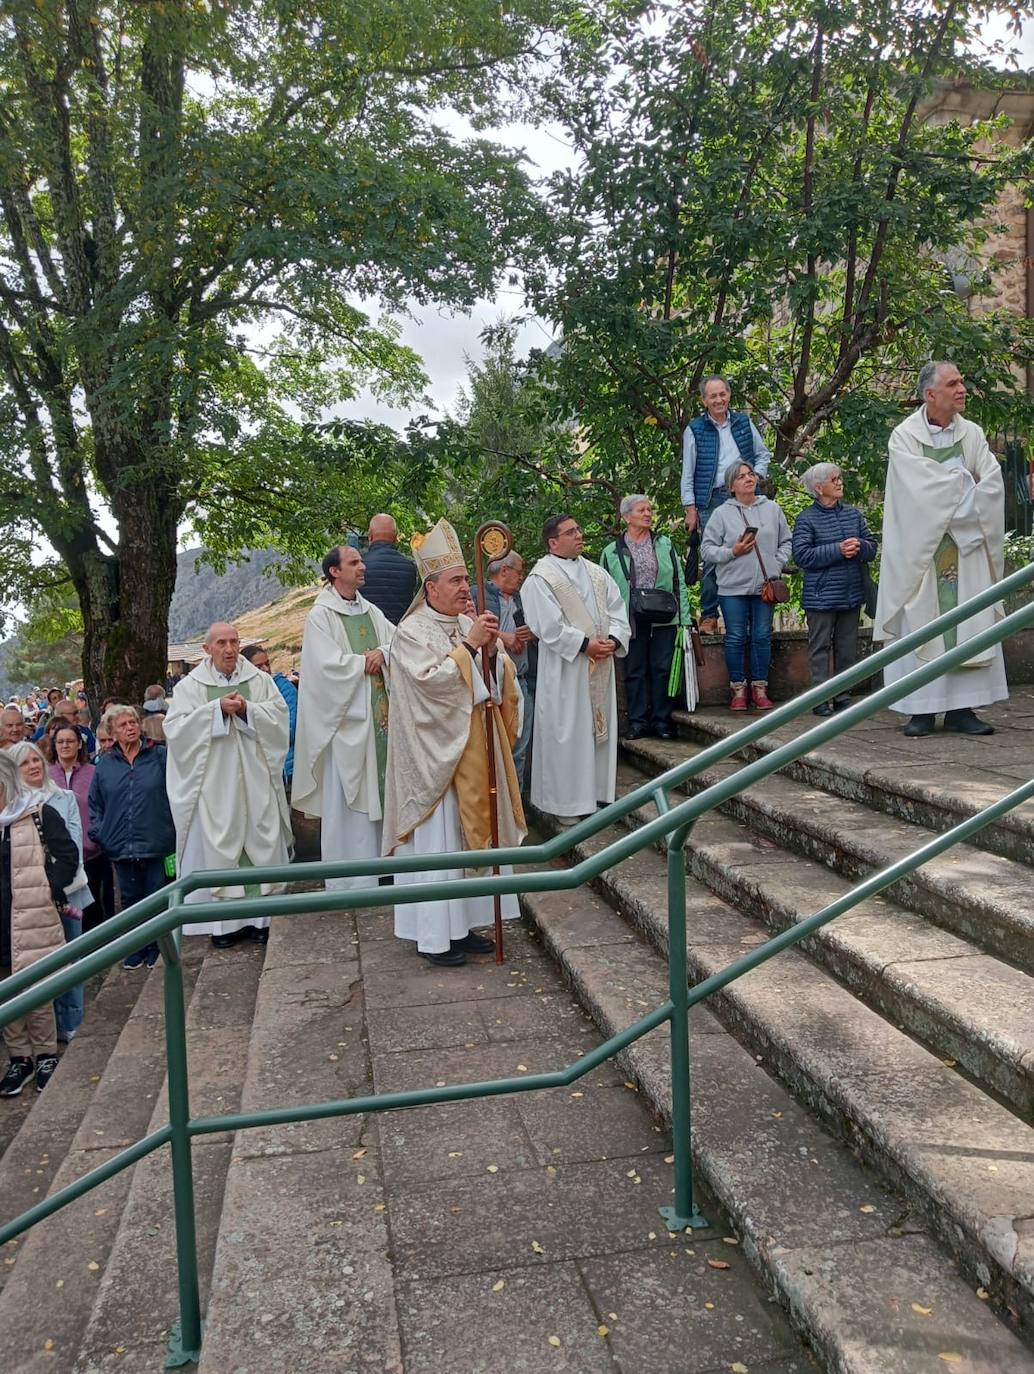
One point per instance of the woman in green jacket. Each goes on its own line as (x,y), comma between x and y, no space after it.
(641,561)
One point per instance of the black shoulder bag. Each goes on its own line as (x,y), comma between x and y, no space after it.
(652,604)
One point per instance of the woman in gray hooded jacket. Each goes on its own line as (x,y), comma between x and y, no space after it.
(747,539)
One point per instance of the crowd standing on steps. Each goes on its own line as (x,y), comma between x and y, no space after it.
(394,728)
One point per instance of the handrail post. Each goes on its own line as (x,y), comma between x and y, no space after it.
(684,1213)
(185,1336)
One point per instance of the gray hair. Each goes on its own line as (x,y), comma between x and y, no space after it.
(114,713)
(12,785)
(629,503)
(820,472)
(734,471)
(928,375)
(20,752)
(509,561)
(705,382)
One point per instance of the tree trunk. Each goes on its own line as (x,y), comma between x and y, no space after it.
(125,597)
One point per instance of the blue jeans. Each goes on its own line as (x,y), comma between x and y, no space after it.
(68,1008)
(709,580)
(747,617)
(137,879)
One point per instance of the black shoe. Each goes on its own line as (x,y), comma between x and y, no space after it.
(920,725)
(19,1072)
(473,944)
(257,935)
(452,958)
(151,954)
(638,732)
(138,959)
(824,708)
(966,722)
(664,732)
(45,1066)
(226,941)
(841,703)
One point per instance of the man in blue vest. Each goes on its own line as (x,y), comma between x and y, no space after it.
(710,444)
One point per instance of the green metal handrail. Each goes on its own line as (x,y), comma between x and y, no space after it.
(162,917)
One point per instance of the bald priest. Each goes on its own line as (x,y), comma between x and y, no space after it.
(436,785)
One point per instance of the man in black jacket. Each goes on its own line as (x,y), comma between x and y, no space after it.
(391,577)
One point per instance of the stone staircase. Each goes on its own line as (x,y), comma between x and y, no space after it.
(906,1028)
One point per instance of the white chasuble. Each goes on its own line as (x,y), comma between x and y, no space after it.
(573,765)
(435,688)
(942,543)
(337,768)
(225,782)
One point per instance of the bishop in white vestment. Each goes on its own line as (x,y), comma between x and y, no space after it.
(436,791)
(341,744)
(943,542)
(227,734)
(576,611)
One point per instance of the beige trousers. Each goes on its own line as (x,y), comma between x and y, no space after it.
(36,1032)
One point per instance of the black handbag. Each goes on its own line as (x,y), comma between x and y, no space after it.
(652,604)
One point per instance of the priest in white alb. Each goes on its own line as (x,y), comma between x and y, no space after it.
(341,745)
(227,734)
(436,796)
(943,543)
(576,611)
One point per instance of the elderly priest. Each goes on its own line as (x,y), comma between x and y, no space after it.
(342,743)
(436,797)
(227,734)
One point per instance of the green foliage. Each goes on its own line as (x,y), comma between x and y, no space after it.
(196,201)
(48,644)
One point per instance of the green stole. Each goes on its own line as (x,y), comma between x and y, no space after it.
(946,555)
(362,638)
(215,691)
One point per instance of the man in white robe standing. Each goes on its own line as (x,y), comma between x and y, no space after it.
(943,542)
(436,797)
(341,744)
(227,734)
(576,611)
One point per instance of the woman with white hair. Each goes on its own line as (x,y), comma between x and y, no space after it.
(831,546)
(33,766)
(649,576)
(38,859)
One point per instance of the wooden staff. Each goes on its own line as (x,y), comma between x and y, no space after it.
(495,540)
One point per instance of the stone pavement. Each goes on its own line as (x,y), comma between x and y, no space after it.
(524,1232)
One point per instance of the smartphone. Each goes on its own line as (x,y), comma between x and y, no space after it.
(751,529)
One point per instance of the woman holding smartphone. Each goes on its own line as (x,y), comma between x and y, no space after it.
(748,540)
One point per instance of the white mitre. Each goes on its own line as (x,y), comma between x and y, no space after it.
(436,551)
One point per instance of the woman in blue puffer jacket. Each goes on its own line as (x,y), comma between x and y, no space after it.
(831,545)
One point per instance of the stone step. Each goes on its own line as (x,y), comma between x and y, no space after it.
(962,1159)
(51,1121)
(66,1255)
(964,1004)
(858,1274)
(982,897)
(313,1276)
(137,1298)
(935,782)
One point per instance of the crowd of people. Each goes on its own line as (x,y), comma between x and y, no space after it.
(414,705)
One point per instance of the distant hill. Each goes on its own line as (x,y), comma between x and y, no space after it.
(203,595)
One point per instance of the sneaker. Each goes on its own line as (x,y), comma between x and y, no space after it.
(45,1066)
(19,1072)
(138,959)
(65,1037)
(151,954)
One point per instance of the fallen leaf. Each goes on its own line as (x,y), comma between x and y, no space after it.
(739,1368)
(498,1286)
(630,1086)
(867,1208)
(522,1068)
(717,1264)
(333,1058)
(554,1340)
(709,1306)
(537,1248)
(455,1154)
(948,1064)
(777,1115)
(652,1235)
(359,1154)
(100,1211)
(360,1178)
(379,1207)
(577,1094)
(669,1159)
(950,1357)
(93,1266)
(550,1171)
(923,1311)
(602,1331)
(983,1294)
(613,1316)
(60,1283)
(631,1173)
(493,1168)
(729,1240)
(48,1344)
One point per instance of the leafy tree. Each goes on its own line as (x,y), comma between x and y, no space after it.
(46,651)
(759,194)
(193,197)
